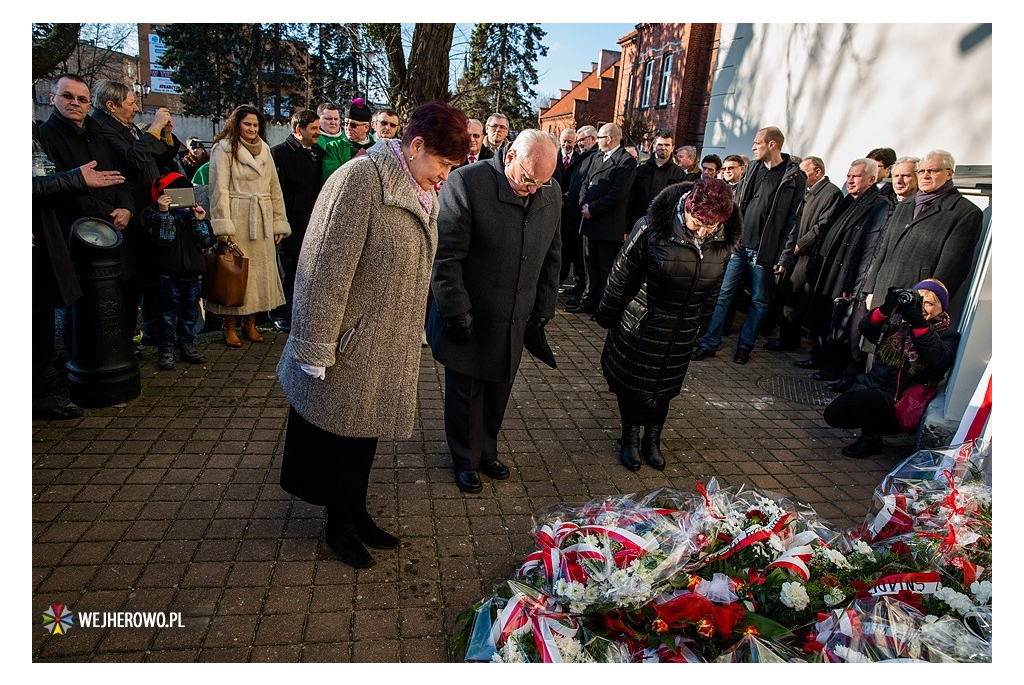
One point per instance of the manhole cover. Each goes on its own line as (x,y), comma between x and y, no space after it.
(798,389)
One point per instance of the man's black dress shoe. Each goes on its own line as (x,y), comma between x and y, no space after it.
(582,308)
(826,375)
(742,356)
(776,345)
(494,469)
(702,353)
(806,364)
(469,481)
(864,447)
(841,385)
(281,325)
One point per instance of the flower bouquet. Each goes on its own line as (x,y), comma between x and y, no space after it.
(608,553)
(522,625)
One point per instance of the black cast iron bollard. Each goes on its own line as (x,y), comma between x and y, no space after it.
(103,369)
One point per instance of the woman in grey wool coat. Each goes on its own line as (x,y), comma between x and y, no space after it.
(351,363)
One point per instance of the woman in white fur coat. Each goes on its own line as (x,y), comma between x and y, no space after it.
(351,365)
(246,206)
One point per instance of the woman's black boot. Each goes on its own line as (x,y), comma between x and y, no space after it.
(866,446)
(630,442)
(371,535)
(650,447)
(342,537)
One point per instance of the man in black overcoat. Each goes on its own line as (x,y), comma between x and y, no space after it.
(300,162)
(494,281)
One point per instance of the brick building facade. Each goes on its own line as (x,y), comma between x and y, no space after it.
(662,74)
(666,77)
(591,100)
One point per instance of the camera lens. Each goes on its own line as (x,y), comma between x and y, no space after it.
(905,297)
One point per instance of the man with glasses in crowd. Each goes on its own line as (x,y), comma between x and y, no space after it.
(71,139)
(494,282)
(355,139)
(604,204)
(932,234)
(497,132)
(732,170)
(385,123)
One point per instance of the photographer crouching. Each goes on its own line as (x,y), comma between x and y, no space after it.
(915,349)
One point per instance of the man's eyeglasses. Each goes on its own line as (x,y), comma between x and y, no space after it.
(528,182)
(497,127)
(476,135)
(386,123)
(355,124)
(930,172)
(730,168)
(82,99)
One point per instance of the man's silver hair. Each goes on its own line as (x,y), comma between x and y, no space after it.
(584,131)
(903,160)
(530,138)
(947,159)
(477,122)
(870,165)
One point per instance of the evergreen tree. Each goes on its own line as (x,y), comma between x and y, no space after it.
(502,72)
(206,68)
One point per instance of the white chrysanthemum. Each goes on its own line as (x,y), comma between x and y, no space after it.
(775,542)
(834,557)
(864,548)
(834,596)
(794,595)
(957,601)
(982,591)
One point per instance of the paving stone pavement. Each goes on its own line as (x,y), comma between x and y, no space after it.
(172,502)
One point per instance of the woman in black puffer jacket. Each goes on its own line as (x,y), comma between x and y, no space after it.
(660,294)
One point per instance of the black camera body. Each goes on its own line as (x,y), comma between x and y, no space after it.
(909,297)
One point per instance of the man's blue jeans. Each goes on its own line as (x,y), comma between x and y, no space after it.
(761,280)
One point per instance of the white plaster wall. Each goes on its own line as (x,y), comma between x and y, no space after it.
(839,90)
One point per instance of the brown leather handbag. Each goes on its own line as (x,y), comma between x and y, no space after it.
(227,273)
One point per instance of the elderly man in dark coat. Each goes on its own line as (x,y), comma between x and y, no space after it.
(604,203)
(790,302)
(839,266)
(495,279)
(931,235)
(142,157)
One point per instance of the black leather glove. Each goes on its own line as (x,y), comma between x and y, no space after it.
(459,328)
(913,315)
(536,343)
(891,302)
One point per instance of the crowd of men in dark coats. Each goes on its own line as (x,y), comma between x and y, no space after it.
(811,260)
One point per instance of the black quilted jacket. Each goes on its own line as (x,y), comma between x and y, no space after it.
(660,294)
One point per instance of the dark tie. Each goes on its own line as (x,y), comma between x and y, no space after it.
(135,132)
(565,162)
(472,158)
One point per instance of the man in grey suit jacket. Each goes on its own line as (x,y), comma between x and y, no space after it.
(608,177)
(495,279)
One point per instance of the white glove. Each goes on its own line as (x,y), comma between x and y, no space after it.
(315,371)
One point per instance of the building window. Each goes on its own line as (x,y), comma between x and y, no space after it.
(666,75)
(645,94)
